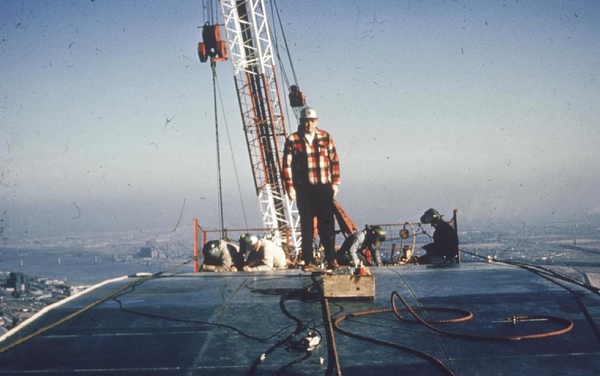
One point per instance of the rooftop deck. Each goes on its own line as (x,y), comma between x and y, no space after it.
(254,323)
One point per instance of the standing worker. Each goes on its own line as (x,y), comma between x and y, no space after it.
(311,176)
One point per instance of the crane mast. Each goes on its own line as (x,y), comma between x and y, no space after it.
(251,54)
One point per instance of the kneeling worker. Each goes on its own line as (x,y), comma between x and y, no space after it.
(264,254)
(445,240)
(353,249)
(221,256)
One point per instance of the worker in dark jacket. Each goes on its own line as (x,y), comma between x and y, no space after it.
(445,241)
(355,247)
(221,256)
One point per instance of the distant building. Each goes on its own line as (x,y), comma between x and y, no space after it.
(145,252)
(19,282)
(150,252)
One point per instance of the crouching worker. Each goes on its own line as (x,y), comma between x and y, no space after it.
(445,241)
(355,247)
(263,254)
(221,256)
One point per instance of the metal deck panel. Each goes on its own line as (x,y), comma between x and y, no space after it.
(168,326)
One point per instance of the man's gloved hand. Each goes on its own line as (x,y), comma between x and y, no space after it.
(292,194)
(336,189)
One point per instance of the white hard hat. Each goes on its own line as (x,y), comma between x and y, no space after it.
(308,113)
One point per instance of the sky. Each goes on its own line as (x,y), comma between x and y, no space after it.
(107,119)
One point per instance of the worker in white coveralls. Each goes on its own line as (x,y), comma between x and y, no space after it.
(263,254)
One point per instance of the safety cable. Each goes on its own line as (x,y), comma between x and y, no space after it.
(537,269)
(553,276)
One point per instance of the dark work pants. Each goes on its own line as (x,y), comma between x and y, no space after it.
(316,201)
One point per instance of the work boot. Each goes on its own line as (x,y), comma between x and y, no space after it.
(333,265)
(309,267)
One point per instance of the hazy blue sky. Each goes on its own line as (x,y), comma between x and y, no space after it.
(489,107)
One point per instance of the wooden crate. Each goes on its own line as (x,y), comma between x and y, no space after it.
(348,286)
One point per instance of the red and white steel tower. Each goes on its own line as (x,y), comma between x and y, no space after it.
(250,51)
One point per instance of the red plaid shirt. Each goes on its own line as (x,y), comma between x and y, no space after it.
(312,163)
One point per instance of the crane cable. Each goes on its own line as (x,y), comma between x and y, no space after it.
(208,9)
(282,69)
(274,2)
(217,89)
(213,66)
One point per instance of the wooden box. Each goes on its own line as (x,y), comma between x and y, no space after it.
(348,286)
